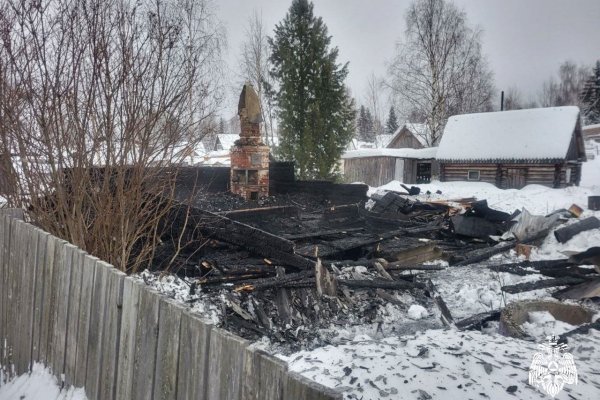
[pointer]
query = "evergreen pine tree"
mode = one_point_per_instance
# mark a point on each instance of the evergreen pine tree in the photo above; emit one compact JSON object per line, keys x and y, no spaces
{"x":316,"y":113}
{"x":591,"y":97}
{"x":391,"y":125}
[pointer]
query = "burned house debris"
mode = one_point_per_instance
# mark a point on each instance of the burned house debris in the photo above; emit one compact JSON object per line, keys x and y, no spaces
{"x":314,"y":254}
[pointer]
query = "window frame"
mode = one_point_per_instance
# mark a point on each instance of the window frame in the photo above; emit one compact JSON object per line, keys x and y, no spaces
{"x":470,"y":171}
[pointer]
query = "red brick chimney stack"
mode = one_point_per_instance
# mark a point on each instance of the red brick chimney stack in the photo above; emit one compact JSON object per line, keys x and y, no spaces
{"x":249,"y":155}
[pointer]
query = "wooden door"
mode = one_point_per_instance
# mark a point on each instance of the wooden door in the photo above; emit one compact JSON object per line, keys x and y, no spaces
{"x":515,"y":178}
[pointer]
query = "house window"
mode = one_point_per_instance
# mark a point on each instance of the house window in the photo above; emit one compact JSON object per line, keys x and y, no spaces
{"x":473,"y":175}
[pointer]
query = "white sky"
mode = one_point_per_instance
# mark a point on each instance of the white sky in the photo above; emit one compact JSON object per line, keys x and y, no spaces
{"x":525,"y":40}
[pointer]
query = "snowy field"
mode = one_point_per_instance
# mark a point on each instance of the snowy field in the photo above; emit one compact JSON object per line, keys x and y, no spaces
{"x":40,"y":384}
{"x":370,"y":364}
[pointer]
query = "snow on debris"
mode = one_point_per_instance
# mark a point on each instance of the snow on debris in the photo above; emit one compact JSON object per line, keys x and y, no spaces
{"x":426,"y":153}
{"x":40,"y":384}
{"x":443,"y":364}
{"x":541,"y":133}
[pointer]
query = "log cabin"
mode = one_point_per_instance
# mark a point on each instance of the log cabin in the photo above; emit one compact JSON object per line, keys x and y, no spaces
{"x":512,"y":149}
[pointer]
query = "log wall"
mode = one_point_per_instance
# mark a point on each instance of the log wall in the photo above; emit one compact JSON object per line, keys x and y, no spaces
{"x":97,"y":328}
{"x":551,"y":175}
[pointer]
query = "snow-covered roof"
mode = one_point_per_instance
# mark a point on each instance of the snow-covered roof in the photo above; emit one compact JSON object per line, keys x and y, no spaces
{"x":227,"y":140}
{"x":426,"y":153}
{"x":383,"y":140}
{"x":533,"y":134}
{"x":215,"y":158}
{"x":419,"y":131}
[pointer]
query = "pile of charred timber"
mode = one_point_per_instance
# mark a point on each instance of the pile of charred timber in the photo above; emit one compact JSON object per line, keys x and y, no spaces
{"x":282,"y":271}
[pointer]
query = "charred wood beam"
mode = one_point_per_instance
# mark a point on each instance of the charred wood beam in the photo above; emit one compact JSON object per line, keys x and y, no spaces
{"x":311,"y":235}
{"x":420,"y":267}
{"x":276,"y":282}
{"x":543,"y":284}
{"x":484,"y":254}
{"x":583,"y":329}
{"x":476,"y":321}
{"x":254,"y":213}
{"x":446,"y":315}
{"x":356,"y":284}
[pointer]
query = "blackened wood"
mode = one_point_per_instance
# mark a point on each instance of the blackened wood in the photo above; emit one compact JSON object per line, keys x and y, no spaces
{"x":542,"y":284}
{"x":276,"y":282}
{"x":310,"y":235}
{"x":583,"y":329}
{"x":565,"y":234}
{"x":257,"y":213}
{"x":446,"y":315}
{"x":419,"y":267}
{"x":484,"y":254}
{"x":379,"y":284}
{"x":476,"y":321}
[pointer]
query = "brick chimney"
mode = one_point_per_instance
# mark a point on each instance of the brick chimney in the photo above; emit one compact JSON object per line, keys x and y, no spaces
{"x":249,"y":155}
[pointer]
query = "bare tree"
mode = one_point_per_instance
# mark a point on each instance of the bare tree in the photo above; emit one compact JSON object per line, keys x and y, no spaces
{"x":567,"y":89}
{"x":513,"y":99}
{"x":97,"y":98}
{"x":254,"y":67}
{"x":373,"y":100}
{"x":439,"y":69}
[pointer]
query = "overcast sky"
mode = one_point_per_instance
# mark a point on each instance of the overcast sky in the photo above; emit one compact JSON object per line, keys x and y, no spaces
{"x":525,"y":40}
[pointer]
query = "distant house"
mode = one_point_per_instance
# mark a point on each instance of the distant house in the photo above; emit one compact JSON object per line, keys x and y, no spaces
{"x":224,"y":141}
{"x":412,"y":136}
{"x":403,"y":156}
{"x":376,"y":167}
{"x":511,"y":149}
{"x":591,"y":132}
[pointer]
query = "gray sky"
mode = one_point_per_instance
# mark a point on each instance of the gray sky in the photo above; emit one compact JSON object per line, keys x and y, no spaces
{"x":525,"y":40}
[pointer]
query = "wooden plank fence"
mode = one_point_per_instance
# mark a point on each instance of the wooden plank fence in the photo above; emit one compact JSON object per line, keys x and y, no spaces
{"x":95,"y":327}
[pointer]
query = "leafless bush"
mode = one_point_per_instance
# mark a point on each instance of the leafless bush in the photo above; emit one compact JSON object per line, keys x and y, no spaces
{"x":100,"y":100}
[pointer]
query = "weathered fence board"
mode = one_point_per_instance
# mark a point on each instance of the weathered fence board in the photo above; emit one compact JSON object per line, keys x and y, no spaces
{"x":38,"y":293}
{"x":26,"y":269}
{"x":298,"y":387}
{"x":167,"y":356}
{"x":127,"y":343}
{"x":146,"y":338}
{"x":94,"y":350}
{"x":192,"y":377}
{"x":88,"y":269}
{"x":226,"y":362}
{"x":4,"y":244}
{"x":111,"y":330}
{"x":64,"y":257}
{"x":264,"y":376}
{"x":73,"y":315}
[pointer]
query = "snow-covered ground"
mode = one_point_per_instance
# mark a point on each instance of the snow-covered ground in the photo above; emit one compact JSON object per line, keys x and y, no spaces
{"x":40,"y":384}
{"x":450,"y":364}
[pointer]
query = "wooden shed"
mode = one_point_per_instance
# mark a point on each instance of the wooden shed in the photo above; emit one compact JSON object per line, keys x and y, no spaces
{"x":376,"y":167}
{"x":511,"y":149}
{"x":409,"y":135}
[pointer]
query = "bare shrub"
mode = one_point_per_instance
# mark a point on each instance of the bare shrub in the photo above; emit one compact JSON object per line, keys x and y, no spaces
{"x":100,"y":101}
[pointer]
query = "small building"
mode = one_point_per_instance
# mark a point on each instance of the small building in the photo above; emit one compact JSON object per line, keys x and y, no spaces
{"x":225,"y":141}
{"x":511,"y":149}
{"x":591,"y":132}
{"x":376,"y":167}
{"x":409,"y":135}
